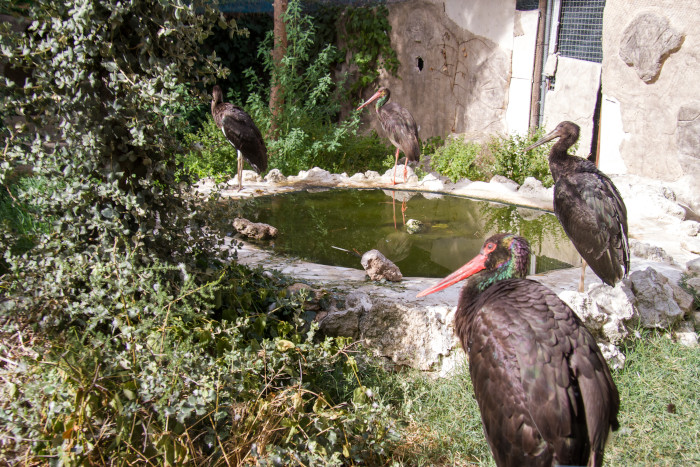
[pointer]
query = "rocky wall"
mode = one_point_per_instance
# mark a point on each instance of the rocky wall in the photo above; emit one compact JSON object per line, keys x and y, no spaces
{"x":651,"y":64}
{"x":450,"y":79}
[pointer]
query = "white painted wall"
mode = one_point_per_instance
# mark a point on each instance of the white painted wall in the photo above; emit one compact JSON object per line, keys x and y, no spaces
{"x":520,"y":92}
{"x":611,"y":136}
{"x":492,"y":19}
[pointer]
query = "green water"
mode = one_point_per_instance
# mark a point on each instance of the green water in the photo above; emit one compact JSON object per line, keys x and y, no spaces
{"x":310,"y":224}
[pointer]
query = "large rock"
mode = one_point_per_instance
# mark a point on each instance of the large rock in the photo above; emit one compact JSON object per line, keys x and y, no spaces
{"x":605,"y":310}
{"x":646,"y":42}
{"x":397,"y":327}
{"x":657,"y":299}
{"x":378,"y":267}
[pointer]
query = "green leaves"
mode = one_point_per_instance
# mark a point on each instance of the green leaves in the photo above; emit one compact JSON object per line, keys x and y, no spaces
{"x":367,"y":31}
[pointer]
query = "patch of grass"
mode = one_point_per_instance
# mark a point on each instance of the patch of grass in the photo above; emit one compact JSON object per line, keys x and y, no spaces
{"x":660,"y":407}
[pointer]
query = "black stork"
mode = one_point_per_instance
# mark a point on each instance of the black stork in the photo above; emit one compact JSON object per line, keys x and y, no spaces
{"x":399,"y":125}
{"x":544,"y":390}
{"x":240,"y":130}
{"x":589,"y":207}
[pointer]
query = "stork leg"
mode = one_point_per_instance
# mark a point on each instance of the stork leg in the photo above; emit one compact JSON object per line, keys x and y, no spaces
{"x":583,"y":274}
{"x":240,"y":170}
{"x":405,"y":171}
{"x":395,"y":164}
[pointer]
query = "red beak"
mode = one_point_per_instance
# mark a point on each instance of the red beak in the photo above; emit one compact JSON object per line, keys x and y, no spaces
{"x":374,"y":97}
{"x":472,"y":267}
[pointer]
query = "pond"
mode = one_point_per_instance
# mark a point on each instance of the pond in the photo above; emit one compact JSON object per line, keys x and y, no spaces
{"x":332,"y":226}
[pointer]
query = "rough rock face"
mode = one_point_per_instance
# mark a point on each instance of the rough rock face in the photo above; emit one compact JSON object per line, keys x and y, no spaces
{"x":407,"y":333}
{"x":688,"y":134}
{"x":256,"y":230}
{"x":378,"y":267}
{"x":659,"y":302}
{"x":646,"y":42}
{"x":605,"y":310}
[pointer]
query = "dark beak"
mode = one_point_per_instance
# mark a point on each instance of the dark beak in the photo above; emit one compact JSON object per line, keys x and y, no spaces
{"x":548,"y":137}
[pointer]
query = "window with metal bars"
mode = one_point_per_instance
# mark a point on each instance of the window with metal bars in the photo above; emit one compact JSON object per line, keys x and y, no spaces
{"x":581,"y":30}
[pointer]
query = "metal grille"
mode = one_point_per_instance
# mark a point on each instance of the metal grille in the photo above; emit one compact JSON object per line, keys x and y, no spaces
{"x":581,"y":29}
{"x":526,"y":5}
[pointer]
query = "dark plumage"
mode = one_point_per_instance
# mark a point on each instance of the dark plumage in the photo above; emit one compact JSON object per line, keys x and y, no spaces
{"x":589,"y":207}
{"x":399,"y":125}
{"x":544,"y":390}
{"x":241,"y":132}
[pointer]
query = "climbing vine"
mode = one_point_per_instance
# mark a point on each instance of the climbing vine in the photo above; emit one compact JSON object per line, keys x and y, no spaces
{"x":367,"y":32}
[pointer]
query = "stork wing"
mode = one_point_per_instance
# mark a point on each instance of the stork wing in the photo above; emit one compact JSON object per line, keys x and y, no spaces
{"x":245,"y":136}
{"x":401,"y":129}
{"x":594,"y":217}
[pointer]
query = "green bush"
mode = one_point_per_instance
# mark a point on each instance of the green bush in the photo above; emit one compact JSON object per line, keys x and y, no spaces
{"x":458,"y":159}
{"x":510,"y":159}
{"x":132,"y":341}
{"x":210,"y":155}
{"x":306,"y":130}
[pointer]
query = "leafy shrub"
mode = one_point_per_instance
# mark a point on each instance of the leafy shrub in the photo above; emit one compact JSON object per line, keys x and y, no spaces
{"x":458,"y":159}
{"x":210,"y":154}
{"x":133,"y":342}
{"x":510,"y":159}
{"x":306,"y":130}
{"x":165,"y":368}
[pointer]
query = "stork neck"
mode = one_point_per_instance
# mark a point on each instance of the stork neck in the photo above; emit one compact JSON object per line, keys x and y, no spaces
{"x":380,"y":102}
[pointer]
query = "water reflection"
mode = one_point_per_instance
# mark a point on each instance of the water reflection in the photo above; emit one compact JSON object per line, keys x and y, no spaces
{"x":312,"y":224}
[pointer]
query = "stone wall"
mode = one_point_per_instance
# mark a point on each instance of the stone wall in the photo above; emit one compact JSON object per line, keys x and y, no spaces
{"x":650,"y":119}
{"x":463,"y":84}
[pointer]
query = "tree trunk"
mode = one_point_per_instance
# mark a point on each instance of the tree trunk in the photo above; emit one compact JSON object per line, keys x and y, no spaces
{"x":278,"y":51}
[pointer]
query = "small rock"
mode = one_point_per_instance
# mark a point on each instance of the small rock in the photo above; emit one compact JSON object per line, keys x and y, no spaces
{"x":692,"y":245}
{"x":645,"y":251}
{"x":378,"y":267}
{"x":411,"y":176}
{"x":256,"y":230}
{"x":275,"y":176}
{"x":685,"y":335}
{"x":510,"y":184}
{"x":611,"y":354}
{"x":693,"y":265}
{"x":414,"y":226}
{"x":604,"y":310}
{"x":532,"y":187}
{"x":690,"y":228}
{"x":431,"y":182}
{"x":694,"y":283}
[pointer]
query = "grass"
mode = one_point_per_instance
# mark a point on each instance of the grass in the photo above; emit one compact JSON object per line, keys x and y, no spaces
{"x":660,"y":413}
{"x":443,"y":425}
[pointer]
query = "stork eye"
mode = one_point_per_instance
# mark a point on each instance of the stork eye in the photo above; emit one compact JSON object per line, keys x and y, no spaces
{"x":489,"y":247}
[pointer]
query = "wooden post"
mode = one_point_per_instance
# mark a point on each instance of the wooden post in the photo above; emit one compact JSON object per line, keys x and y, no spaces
{"x":537,"y":70}
{"x":278,"y":51}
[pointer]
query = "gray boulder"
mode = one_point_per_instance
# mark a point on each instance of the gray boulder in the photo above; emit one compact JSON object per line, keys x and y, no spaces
{"x":659,"y":302}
